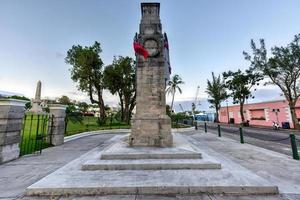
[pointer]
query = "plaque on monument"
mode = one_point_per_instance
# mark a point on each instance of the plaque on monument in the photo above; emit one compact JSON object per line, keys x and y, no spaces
{"x":150,"y":124}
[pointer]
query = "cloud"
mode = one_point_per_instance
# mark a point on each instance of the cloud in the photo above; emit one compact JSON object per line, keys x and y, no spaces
{"x":267,"y":93}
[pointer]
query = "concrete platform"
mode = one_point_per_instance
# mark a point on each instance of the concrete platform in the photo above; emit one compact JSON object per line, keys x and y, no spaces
{"x":232,"y":178}
{"x":149,"y":164}
{"x":121,"y":151}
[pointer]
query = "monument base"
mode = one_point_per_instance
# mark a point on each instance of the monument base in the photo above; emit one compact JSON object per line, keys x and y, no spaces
{"x":36,"y":108}
{"x":150,"y":131}
{"x":123,"y":170}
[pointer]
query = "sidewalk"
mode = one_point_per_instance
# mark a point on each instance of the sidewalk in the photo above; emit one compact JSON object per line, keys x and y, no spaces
{"x":16,"y":176}
{"x":277,"y":168}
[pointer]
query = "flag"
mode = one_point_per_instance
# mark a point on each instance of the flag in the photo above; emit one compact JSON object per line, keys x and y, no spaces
{"x":139,"y":49}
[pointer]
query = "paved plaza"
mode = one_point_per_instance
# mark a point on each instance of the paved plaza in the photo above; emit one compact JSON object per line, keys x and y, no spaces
{"x":271,"y":166}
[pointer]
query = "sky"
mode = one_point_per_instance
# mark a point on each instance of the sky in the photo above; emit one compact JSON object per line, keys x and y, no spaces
{"x":204,"y":36}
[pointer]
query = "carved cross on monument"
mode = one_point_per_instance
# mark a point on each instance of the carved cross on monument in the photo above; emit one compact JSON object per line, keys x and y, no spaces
{"x":150,"y":125}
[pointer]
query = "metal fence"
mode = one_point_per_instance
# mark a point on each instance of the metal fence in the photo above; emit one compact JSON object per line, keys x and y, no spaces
{"x":36,"y":133}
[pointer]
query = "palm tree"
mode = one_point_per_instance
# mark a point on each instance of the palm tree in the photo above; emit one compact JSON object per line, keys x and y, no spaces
{"x":217,"y":93}
{"x":173,"y":86}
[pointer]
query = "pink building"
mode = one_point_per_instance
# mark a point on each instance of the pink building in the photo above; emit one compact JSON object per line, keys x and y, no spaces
{"x":260,"y":114}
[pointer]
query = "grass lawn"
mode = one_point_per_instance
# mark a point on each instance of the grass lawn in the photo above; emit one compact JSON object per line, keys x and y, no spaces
{"x":90,"y":124}
{"x":33,"y":134}
{"x":35,"y":130}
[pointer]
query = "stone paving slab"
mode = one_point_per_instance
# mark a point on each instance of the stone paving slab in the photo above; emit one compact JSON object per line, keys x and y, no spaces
{"x":121,"y":150}
{"x":275,"y":167}
{"x":17,"y":175}
{"x":71,"y":180}
{"x":150,"y":164}
{"x":170,"y":197}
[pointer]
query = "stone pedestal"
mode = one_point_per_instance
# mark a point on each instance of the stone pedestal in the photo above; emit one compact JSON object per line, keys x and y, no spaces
{"x":58,"y":124}
{"x":11,"y":115}
{"x":150,"y":125}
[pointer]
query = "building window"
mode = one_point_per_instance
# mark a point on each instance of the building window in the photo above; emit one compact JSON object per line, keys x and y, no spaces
{"x":258,"y":114}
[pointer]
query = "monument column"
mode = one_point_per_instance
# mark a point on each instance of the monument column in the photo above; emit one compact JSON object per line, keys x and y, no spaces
{"x":150,"y":124}
{"x":36,"y":103}
{"x":12,"y":112}
{"x":58,"y":124}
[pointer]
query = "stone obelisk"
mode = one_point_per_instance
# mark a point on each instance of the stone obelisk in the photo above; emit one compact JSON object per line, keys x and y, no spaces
{"x":150,"y":124}
{"x":36,"y":103}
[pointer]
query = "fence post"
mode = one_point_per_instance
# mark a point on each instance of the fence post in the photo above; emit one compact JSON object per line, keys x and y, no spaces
{"x":241,"y":135}
{"x":205,"y":127}
{"x":11,"y":117}
{"x":58,"y":126}
{"x":294,"y":147}
{"x":219,"y":130}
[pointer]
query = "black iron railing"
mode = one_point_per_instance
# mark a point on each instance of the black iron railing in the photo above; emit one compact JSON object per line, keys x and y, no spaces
{"x":36,"y":133}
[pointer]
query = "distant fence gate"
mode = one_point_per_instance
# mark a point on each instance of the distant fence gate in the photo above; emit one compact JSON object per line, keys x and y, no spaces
{"x":36,"y":133}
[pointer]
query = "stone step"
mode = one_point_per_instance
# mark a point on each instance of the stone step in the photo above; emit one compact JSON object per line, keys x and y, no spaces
{"x":150,"y":155}
{"x":153,"y":190}
{"x":150,"y":164}
{"x":150,"y":182}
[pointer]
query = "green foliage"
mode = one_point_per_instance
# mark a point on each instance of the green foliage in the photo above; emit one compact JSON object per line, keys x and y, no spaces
{"x":87,"y":72}
{"x":83,"y":106}
{"x":240,"y":84}
{"x":216,"y":90}
{"x":168,"y":110}
{"x":72,"y":114}
{"x":65,"y":100}
{"x":91,"y":124}
{"x":119,"y":78}
{"x":179,"y":118}
{"x":173,"y":86}
{"x":282,"y":69}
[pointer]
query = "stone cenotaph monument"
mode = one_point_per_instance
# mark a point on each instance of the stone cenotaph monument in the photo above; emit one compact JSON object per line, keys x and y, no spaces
{"x":150,"y":124}
{"x":141,"y":167}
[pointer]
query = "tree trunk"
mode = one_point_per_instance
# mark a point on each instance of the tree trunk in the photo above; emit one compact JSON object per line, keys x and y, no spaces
{"x":173,"y":95}
{"x":295,"y":120}
{"x":101,"y":108}
{"x":132,"y":105}
{"x":126,"y":113}
{"x":217,"y":114}
{"x":242,"y":111}
{"x":122,"y":105}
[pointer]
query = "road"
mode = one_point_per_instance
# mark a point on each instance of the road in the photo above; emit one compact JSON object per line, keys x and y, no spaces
{"x":275,"y":140}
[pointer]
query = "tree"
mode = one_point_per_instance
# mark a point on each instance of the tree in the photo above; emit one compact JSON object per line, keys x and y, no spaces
{"x":173,"y":86}
{"x":72,"y":115}
{"x":217,"y":92}
{"x":282,"y":69}
{"x":240,"y":84}
{"x":88,"y":73}
{"x":168,"y":110}
{"x":119,"y":78}
{"x":65,"y":100}
{"x":83,"y":106}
